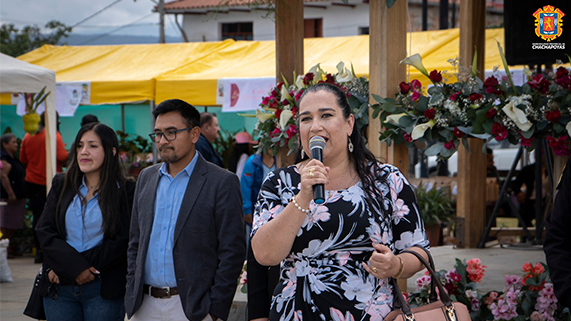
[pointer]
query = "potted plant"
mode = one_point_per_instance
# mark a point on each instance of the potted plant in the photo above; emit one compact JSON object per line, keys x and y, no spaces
{"x":31,"y":119}
{"x":435,"y":208}
{"x":134,"y":151}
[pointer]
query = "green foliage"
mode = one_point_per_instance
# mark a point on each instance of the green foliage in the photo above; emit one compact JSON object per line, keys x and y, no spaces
{"x":15,"y":42}
{"x":434,"y":205}
{"x":224,"y":144}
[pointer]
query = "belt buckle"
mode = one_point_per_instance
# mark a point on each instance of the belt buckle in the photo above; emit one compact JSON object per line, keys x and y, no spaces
{"x":167,"y":292}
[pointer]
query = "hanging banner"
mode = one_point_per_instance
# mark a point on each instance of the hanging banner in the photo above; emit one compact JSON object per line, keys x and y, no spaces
{"x":243,"y":94}
{"x":69,"y":96}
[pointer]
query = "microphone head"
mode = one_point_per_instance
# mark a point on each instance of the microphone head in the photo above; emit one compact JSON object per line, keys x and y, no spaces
{"x":317,"y":142}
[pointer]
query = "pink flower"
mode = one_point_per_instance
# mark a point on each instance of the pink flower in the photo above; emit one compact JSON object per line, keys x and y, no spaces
{"x":559,"y":145}
{"x":415,"y":95}
{"x":415,"y":83}
{"x":423,"y":281}
{"x":276,"y":132}
{"x":291,"y":131}
{"x":539,"y":83}
{"x":407,"y":137}
{"x":475,"y":270}
{"x":435,"y":76}
{"x":525,"y":142}
{"x":450,"y":145}
{"x":512,"y":280}
{"x":491,"y":298}
{"x":500,"y":131}
{"x":430,"y":113}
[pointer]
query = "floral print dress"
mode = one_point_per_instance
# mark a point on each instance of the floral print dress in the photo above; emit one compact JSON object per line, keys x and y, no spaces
{"x":322,"y":277}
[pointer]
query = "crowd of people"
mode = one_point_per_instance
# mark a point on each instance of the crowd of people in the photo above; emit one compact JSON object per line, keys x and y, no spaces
{"x":172,"y":245}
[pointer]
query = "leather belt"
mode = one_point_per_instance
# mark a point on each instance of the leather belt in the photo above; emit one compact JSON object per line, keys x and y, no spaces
{"x":160,"y":292}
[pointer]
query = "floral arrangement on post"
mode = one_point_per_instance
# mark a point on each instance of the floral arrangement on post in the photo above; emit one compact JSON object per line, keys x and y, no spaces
{"x":530,"y":297}
{"x":31,"y":119}
{"x":277,"y":119}
{"x":449,"y":112}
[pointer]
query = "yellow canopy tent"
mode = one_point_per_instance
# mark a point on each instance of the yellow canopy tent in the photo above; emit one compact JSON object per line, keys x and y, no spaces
{"x":190,"y":71}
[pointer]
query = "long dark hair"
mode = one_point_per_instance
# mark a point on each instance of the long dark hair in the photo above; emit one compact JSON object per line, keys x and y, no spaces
{"x":239,"y":149}
{"x":112,"y":178}
{"x":366,"y":164}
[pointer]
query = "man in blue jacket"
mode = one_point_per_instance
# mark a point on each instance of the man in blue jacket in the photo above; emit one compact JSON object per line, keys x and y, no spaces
{"x":209,"y":130}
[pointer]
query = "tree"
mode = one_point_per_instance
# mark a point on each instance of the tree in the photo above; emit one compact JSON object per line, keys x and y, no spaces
{"x":14,"y":42}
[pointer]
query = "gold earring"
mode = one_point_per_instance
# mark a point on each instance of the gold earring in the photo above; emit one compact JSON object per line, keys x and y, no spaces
{"x":350,"y":145}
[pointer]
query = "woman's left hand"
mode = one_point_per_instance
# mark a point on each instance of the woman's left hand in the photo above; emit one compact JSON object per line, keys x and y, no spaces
{"x":382,"y":263}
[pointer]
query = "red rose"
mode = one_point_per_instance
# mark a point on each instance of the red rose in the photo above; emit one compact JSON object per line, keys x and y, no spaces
{"x":329,"y":79}
{"x":407,"y":137}
{"x":275,"y":93}
{"x":455,"y":96}
{"x":404,"y":88}
{"x":500,"y":131}
{"x":561,"y":71}
{"x":458,"y":133}
{"x":285,"y":102}
{"x":294,"y":111}
{"x":280,"y":84}
{"x":308,"y":78}
{"x":450,"y":145}
{"x":430,"y":113}
{"x":298,"y":96}
{"x":266,"y":100}
{"x":475,"y":97}
{"x":278,"y":113}
{"x":490,"y":84}
{"x":274,"y":104}
{"x":435,"y":76}
{"x":564,"y":81}
{"x":491,"y":113}
{"x":415,"y":83}
{"x":553,"y":116}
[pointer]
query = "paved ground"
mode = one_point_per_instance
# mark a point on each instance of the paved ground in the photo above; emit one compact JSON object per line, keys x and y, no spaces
{"x":500,"y":261}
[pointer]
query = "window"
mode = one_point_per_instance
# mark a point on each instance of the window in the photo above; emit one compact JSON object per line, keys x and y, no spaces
{"x":313,"y":28}
{"x":238,"y":31}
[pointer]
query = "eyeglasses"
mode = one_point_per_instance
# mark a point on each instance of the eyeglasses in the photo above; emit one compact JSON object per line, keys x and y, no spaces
{"x":169,"y":135}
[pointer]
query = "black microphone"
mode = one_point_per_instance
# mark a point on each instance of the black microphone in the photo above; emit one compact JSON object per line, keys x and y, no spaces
{"x":316,"y":145}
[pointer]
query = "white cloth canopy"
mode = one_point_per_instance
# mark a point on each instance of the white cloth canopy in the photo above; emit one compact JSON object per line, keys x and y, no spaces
{"x":17,"y":76}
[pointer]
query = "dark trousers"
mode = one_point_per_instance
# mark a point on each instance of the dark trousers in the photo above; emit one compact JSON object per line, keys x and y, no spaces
{"x":37,"y":196}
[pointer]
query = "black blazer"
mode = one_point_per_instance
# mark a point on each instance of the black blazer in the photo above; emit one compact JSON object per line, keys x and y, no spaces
{"x":109,"y":258}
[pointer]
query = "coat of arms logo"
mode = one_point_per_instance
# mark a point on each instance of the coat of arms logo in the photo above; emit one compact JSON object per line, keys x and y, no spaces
{"x":548,"y":22}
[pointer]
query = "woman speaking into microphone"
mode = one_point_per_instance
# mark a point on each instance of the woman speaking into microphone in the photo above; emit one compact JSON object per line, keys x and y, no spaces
{"x":336,"y":257}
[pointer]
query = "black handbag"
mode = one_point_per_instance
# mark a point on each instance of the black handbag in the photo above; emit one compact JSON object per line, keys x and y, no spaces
{"x":35,"y":307}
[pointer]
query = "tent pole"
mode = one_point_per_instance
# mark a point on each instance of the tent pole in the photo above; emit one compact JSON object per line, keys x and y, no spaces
{"x":152,"y":105}
{"x":123,"y":117}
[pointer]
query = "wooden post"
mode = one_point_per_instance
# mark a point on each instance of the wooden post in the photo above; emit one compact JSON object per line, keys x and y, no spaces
{"x":289,"y":51}
{"x":289,"y":39}
{"x":471,"y":207}
{"x":387,"y":47}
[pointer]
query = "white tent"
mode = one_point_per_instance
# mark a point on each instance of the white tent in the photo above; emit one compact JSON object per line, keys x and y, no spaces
{"x":17,"y":76}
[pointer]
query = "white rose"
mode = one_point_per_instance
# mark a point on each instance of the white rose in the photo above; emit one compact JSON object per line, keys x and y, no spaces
{"x":418,"y":130}
{"x":343,"y":74}
{"x":284,"y":118}
{"x":394,"y":119}
{"x":518,"y":116}
{"x":568,"y":127}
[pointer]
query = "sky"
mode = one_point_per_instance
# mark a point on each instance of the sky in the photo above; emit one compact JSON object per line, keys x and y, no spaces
{"x":122,"y":17}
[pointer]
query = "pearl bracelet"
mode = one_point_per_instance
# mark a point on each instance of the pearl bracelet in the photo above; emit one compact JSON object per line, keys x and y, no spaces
{"x":401,"y":269}
{"x":303,"y":210}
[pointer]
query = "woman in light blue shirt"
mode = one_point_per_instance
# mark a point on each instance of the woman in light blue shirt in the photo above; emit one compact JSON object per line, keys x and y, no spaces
{"x":84,"y":231}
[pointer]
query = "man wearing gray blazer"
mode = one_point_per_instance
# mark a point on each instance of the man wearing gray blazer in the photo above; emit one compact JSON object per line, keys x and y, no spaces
{"x":187,"y":244}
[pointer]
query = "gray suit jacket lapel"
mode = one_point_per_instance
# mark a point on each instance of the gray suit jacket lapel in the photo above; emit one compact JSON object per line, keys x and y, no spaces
{"x":193,"y":188}
{"x":148,"y":206}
